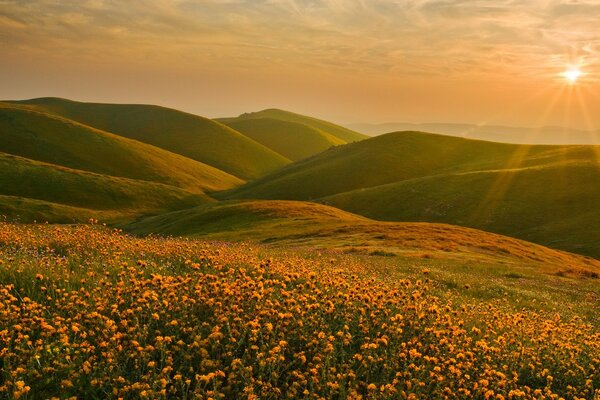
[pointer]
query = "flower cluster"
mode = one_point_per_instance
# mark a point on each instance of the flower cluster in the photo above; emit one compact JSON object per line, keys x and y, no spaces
{"x":91,"y":313}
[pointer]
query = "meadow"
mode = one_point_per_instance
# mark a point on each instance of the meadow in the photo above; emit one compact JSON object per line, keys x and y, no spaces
{"x":89,"y":312}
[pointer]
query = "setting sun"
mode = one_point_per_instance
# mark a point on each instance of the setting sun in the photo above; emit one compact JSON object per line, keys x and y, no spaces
{"x":572,"y":74}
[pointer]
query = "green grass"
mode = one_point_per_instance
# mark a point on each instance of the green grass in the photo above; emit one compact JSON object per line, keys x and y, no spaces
{"x":377,"y":161}
{"x":545,"y":194}
{"x":56,"y":140}
{"x":195,"y":137}
{"x":554,"y":205}
{"x":292,"y":140}
{"x":344,"y":134}
{"x":46,"y":192}
{"x":296,"y":223}
{"x":22,"y":209}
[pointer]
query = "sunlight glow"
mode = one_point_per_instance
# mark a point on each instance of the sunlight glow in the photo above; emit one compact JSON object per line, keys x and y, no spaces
{"x":572,"y":74}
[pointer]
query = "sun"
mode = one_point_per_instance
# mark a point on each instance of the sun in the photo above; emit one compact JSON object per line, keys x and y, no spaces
{"x":572,"y":74}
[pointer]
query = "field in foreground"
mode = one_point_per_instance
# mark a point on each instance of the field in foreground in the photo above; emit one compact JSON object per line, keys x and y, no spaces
{"x":89,"y":312}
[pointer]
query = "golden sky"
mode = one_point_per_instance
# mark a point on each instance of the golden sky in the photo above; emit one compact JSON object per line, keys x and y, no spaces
{"x":496,"y":62}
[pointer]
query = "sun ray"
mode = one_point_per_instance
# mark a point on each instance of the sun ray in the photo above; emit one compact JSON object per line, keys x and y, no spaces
{"x":502,"y":183}
{"x":589,"y":124}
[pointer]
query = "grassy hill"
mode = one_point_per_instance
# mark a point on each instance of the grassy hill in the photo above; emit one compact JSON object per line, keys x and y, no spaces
{"x":296,"y":223}
{"x":292,"y":140}
{"x":377,"y":161}
{"x":198,"y":138}
{"x":56,"y":140}
{"x":46,"y":192}
{"x":541,"y":193}
{"x":344,"y":134}
{"x":552,"y":204}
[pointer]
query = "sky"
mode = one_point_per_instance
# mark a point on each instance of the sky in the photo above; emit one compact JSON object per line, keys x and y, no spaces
{"x":349,"y":61}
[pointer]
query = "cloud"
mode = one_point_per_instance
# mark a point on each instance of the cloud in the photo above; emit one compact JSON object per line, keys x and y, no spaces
{"x":426,"y":37}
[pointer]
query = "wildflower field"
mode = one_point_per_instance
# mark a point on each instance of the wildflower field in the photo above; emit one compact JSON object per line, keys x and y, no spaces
{"x":88,"y":312}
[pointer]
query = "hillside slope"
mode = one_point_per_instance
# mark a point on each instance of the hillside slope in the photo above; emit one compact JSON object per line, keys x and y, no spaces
{"x":546,"y":194}
{"x":29,"y":187}
{"x":553,"y":204}
{"x":56,"y":140}
{"x":195,"y":137}
{"x":296,"y":223}
{"x":342,"y":133}
{"x":290,"y":139}
{"x":376,"y":161}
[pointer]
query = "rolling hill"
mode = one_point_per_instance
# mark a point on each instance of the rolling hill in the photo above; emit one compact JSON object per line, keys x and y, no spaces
{"x":292,"y":140}
{"x":29,"y":187}
{"x":56,"y":140}
{"x":296,"y":223}
{"x":546,"y":194}
{"x":195,"y":137}
{"x":344,"y":134}
{"x":554,"y":204}
{"x":377,"y":161}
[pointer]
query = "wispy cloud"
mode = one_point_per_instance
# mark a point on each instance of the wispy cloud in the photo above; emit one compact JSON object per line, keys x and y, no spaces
{"x":426,"y":36}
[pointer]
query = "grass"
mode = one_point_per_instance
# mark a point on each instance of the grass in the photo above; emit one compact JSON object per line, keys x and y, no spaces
{"x":304,"y":224}
{"x":46,"y":192}
{"x":543,"y":204}
{"x":56,"y":140}
{"x":292,"y":140}
{"x":541,"y":193}
{"x":92,"y":313}
{"x":344,"y":134}
{"x":194,"y":137}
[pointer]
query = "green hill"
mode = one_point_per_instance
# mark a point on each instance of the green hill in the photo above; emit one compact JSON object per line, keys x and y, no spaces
{"x":198,"y":138}
{"x":295,"y":223}
{"x":344,"y":134}
{"x":36,"y":190}
{"x":545,"y":194}
{"x":377,"y":161}
{"x":56,"y":140}
{"x":290,"y":139}
{"x":554,"y":204}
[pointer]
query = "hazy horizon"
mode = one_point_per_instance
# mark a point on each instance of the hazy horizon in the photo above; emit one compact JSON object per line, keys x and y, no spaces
{"x":426,"y":61}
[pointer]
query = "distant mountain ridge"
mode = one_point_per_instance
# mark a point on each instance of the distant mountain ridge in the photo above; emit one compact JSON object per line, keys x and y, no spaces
{"x":496,"y":133}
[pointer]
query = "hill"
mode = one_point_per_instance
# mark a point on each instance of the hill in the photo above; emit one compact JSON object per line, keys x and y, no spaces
{"x":296,"y":223}
{"x":56,"y":140}
{"x":290,"y":139}
{"x":553,"y":204}
{"x":46,"y":192}
{"x":195,"y":137}
{"x":538,"y":193}
{"x":376,"y":161}
{"x":344,"y":134}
